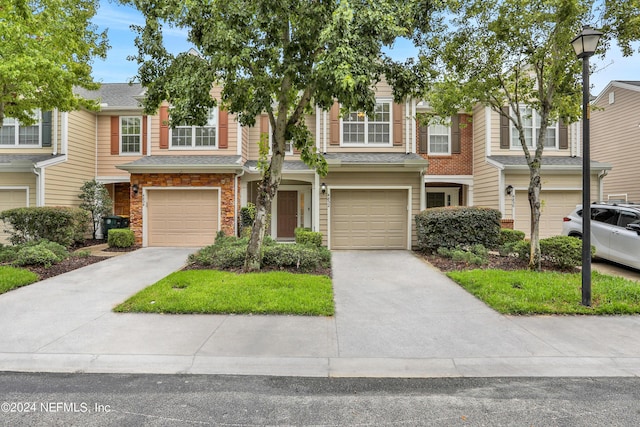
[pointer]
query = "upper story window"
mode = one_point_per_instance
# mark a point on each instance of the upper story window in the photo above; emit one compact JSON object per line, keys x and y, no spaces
{"x":131,"y":134}
{"x":13,"y":134}
{"x":187,"y":136}
{"x":439,"y":139}
{"x":360,"y":129}
{"x":531,"y":125}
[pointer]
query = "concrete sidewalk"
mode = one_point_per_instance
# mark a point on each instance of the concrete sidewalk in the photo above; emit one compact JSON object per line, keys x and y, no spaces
{"x":396,"y":316}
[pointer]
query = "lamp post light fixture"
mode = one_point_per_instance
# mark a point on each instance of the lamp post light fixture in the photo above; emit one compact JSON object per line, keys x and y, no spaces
{"x":585,"y":45}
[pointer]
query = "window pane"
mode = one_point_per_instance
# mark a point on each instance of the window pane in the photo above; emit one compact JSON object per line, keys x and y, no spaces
{"x":181,"y":137}
{"x":8,"y":135}
{"x":550,"y":140}
{"x":353,"y":133}
{"x":206,"y":137}
{"x":378,"y":133}
{"x":131,"y":134}
{"x":439,"y":138}
{"x":29,"y":135}
{"x":435,"y":200}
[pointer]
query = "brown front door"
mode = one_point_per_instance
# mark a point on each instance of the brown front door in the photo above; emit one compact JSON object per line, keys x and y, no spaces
{"x":287,"y":213}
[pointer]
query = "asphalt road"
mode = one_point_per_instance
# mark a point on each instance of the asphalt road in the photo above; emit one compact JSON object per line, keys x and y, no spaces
{"x":200,"y":400}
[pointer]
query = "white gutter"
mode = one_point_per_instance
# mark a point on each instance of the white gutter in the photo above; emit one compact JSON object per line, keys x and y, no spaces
{"x":316,"y":202}
{"x":318,"y":111}
{"x":414,"y":134}
{"x":239,"y":140}
{"x":39,"y":172}
{"x":601,"y":176}
{"x":65,"y":133}
{"x":407,"y":136}
{"x":148,"y":135}
{"x":487,"y":131}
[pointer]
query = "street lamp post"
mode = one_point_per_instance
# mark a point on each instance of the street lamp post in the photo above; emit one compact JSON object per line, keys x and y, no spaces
{"x":585,"y":45}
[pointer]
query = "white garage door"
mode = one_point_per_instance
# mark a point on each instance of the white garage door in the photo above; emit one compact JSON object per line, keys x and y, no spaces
{"x":182,"y":217}
{"x":10,"y":199}
{"x":555,"y":206}
{"x":368,"y":219}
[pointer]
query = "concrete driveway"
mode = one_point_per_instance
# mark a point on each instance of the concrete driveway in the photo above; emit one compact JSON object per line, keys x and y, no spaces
{"x":396,"y":316}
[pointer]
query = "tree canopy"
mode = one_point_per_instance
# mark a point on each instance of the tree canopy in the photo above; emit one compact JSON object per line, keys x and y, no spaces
{"x":279,"y":57}
{"x":46,"y":48}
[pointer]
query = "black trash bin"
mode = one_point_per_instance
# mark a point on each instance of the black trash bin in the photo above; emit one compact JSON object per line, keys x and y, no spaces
{"x":113,"y":221}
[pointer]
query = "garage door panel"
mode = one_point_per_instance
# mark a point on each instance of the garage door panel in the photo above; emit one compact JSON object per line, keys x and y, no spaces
{"x":555,"y":206}
{"x":182,"y":217}
{"x":369,"y":219}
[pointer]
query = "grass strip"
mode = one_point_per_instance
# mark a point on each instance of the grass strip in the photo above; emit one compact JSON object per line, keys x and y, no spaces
{"x":221,"y":292}
{"x":524,"y":292}
{"x":11,"y":278}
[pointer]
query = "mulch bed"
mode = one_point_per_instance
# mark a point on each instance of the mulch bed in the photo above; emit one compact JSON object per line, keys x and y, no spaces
{"x":319,"y":271}
{"x":496,"y":262}
{"x":65,"y":266}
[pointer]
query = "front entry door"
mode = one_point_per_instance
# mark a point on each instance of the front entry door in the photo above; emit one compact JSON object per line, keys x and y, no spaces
{"x":287,"y":213}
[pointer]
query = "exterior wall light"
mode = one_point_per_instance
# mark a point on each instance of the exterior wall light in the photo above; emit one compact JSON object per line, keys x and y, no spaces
{"x":135,"y":189}
{"x":323,"y":188}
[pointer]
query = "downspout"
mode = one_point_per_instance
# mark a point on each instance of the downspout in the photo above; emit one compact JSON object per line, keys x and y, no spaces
{"x":39,"y":172}
{"x":318,"y":111}
{"x":235,"y":201}
{"x":54,"y":137}
{"x":601,"y":176}
{"x":407,"y":136}
{"x":423,"y":191}
{"x":65,"y":133}
{"x":316,"y":202}
{"x":324,"y":131}
{"x":414,"y":136}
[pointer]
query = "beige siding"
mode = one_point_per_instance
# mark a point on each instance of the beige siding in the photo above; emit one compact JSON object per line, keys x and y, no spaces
{"x":63,"y":181}
{"x":253,"y":137}
{"x":373,"y":180}
{"x":106,"y":161}
{"x":615,"y":138}
{"x":485,"y":176}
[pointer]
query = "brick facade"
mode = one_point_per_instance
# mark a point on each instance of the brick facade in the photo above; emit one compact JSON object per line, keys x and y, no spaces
{"x":224,"y":181}
{"x":454,"y":164}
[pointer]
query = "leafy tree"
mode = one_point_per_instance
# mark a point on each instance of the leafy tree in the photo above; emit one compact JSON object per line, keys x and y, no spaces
{"x":506,"y":53}
{"x":280,"y":57}
{"x":46,"y":48}
{"x":95,"y":200}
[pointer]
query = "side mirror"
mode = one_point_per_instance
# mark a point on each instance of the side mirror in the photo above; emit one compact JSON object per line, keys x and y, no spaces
{"x":634,"y":227}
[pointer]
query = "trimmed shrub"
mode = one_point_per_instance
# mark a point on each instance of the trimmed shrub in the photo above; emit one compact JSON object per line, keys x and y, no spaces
{"x":43,"y":253}
{"x":300,"y":257}
{"x":563,"y":251}
{"x":120,"y":238}
{"x":508,"y":240}
{"x":62,"y":225}
{"x":458,"y":226}
{"x":305,"y":236}
{"x":8,"y":253}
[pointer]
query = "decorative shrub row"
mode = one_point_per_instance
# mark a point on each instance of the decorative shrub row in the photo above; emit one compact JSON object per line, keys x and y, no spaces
{"x":458,"y":226}
{"x":476,"y":254}
{"x":62,"y":225}
{"x":230,"y":252}
{"x":120,"y":238}
{"x":305,"y":236}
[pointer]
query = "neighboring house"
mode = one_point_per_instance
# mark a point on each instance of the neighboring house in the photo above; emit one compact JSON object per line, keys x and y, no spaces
{"x":615,"y":138}
{"x":501,"y":174}
{"x":47,"y":163}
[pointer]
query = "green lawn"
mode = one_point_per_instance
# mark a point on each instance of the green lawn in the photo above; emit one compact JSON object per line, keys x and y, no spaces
{"x":11,"y":278}
{"x":528,"y":292}
{"x":220,"y":292}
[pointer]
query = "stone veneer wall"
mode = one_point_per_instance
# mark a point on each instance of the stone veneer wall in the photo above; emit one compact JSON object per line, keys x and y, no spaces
{"x":224,"y":181}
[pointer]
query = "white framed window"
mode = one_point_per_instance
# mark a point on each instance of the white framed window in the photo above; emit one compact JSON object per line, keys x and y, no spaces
{"x":130,"y":134}
{"x":439,"y":139}
{"x":196,"y":137}
{"x":360,"y":129}
{"x":13,"y":134}
{"x":288,"y":145}
{"x":531,"y":126}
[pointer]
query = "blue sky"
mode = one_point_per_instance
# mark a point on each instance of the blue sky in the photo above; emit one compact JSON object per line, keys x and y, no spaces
{"x":117,"y":69}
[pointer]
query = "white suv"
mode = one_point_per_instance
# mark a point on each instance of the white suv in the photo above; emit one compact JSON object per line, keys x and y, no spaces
{"x":615,"y":231}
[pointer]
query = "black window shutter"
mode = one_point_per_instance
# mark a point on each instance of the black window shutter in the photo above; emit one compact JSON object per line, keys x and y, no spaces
{"x":455,"y":134}
{"x":505,"y":128}
{"x":46,"y":128}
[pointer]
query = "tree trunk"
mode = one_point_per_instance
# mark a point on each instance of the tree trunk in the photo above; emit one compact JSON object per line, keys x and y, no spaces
{"x":534,"y":202}
{"x":266,"y":192}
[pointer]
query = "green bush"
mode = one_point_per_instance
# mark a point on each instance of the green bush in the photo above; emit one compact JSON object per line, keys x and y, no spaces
{"x":300,"y":257}
{"x":458,"y":226}
{"x":563,"y":251}
{"x":8,"y":253}
{"x":230,"y":252}
{"x":62,"y":225}
{"x":508,"y":240}
{"x":476,"y":255}
{"x":120,"y":238}
{"x":43,"y":253}
{"x":305,"y":236}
